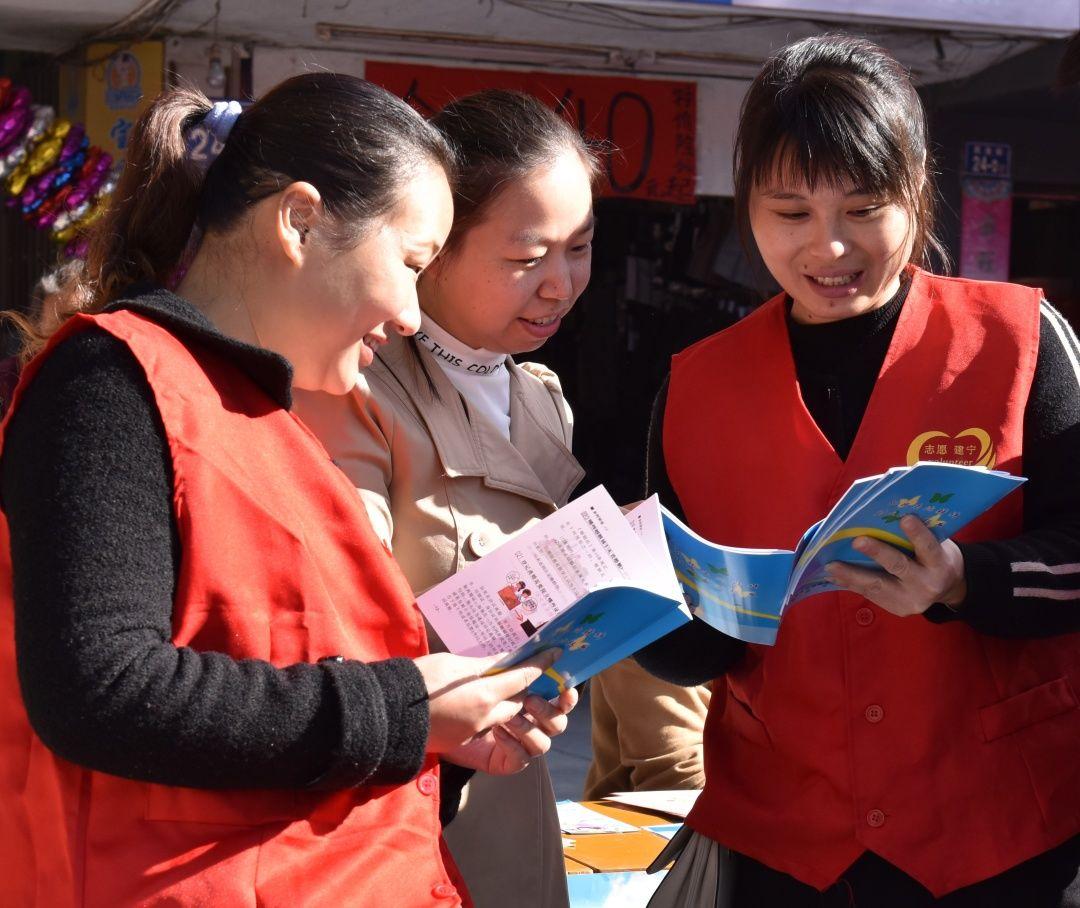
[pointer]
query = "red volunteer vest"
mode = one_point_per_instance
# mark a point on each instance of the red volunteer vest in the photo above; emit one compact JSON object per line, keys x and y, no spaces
{"x":952,"y":755}
{"x":278,"y":563}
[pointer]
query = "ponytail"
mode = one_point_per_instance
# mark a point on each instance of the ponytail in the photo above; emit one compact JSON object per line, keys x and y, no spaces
{"x":144,"y":231}
{"x":356,"y":143}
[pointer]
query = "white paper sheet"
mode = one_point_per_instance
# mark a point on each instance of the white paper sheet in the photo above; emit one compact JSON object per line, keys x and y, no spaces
{"x":578,"y":820}
{"x":675,"y":803}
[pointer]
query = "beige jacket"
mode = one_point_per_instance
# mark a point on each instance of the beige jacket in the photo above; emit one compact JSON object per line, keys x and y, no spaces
{"x":443,"y":487}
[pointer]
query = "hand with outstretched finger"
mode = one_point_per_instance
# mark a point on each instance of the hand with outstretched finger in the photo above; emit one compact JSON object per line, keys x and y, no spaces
{"x":485,"y":720}
{"x":510,"y":747}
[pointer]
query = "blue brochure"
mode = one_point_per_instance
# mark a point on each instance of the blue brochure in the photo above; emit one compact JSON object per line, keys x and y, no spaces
{"x":744,"y":592}
{"x":599,"y":584}
{"x":583,"y":580}
{"x":604,"y":627}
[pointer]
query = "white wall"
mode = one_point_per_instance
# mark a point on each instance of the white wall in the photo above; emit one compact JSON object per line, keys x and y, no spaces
{"x":718,"y":114}
{"x":718,"y":103}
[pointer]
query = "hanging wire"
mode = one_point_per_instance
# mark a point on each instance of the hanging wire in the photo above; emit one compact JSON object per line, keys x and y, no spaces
{"x":146,"y":20}
{"x":675,"y":20}
{"x":635,"y":19}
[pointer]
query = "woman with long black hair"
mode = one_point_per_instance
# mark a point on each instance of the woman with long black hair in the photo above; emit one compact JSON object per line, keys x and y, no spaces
{"x":215,"y":685}
{"x":914,"y":739}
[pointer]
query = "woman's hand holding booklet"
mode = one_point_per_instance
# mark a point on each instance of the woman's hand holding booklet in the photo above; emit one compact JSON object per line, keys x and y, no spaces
{"x":600,"y":585}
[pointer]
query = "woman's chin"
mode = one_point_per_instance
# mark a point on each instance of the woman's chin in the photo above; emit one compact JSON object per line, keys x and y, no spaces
{"x":340,"y":379}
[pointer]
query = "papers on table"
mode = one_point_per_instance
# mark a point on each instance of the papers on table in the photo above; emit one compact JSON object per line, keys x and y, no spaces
{"x":574,"y":819}
{"x":667,"y":830}
{"x":675,"y":803}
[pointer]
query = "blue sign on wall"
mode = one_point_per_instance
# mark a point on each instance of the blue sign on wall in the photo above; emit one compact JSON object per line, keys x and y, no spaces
{"x":988,"y":159}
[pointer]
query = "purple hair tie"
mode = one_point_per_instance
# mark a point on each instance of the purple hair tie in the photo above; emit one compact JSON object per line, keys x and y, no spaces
{"x":205,"y":140}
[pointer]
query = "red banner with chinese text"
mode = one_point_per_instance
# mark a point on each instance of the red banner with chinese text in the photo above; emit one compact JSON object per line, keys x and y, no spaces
{"x":650,"y":123}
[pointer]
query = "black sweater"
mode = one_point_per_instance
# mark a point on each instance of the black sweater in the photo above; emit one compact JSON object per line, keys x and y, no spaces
{"x":1012,"y":590}
{"x":86,"y":484}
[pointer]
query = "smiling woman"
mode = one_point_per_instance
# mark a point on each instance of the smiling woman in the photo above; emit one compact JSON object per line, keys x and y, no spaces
{"x":454,"y":446}
{"x":324,"y":308}
{"x":876,"y":771}
{"x":838,"y":251}
{"x":206,"y":652}
{"x":507,"y":283}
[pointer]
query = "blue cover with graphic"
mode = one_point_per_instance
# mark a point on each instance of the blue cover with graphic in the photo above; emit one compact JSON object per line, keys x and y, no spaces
{"x":600,"y":629}
{"x":743,"y":592}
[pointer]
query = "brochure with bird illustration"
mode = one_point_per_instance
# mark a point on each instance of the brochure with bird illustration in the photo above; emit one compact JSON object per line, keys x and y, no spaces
{"x":600,"y":584}
{"x":744,"y":592}
{"x":581,"y":580}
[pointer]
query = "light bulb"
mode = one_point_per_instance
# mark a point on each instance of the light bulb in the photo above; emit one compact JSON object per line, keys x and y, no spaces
{"x":215,"y":72}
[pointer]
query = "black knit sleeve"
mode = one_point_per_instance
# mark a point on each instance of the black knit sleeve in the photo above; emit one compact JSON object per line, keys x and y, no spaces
{"x":1029,"y":586}
{"x":86,"y":484}
{"x":696,"y":652}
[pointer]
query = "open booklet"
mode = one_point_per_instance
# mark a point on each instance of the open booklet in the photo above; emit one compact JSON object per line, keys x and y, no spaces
{"x":581,"y":580}
{"x":744,"y":592}
{"x":600,"y":584}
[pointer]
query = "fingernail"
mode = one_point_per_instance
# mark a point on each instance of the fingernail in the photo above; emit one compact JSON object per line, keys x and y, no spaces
{"x":859,"y":544}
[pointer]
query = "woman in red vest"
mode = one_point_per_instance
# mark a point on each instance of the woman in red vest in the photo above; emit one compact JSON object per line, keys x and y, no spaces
{"x":915,"y":739}
{"x":214,"y":681}
{"x":455,"y":447}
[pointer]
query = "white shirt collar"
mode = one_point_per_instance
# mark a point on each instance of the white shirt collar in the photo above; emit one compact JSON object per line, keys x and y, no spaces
{"x":450,"y":351}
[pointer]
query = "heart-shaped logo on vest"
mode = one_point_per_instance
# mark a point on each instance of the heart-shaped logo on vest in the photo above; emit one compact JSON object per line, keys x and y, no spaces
{"x":971,"y":447}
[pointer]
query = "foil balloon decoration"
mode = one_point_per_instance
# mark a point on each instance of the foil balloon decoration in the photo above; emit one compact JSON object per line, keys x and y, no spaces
{"x":77,"y":226}
{"x":12,"y":160}
{"x":66,"y":218}
{"x":90,"y":178}
{"x":36,"y":120}
{"x":35,"y":192}
{"x":47,"y":151}
{"x":73,"y":142}
{"x":14,"y":119}
{"x":50,"y":209}
{"x":49,"y":183}
{"x":50,"y":171}
{"x":40,"y":121}
{"x":111,"y":179}
{"x":13,"y":123}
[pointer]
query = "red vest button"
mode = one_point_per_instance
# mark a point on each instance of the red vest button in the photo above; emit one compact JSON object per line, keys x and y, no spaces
{"x":427,"y":783}
{"x":874,"y":713}
{"x":876,"y":818}
{"x":864,"y":616}
{"x":444,"y":891}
